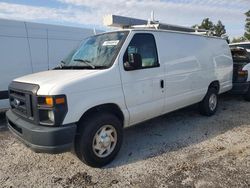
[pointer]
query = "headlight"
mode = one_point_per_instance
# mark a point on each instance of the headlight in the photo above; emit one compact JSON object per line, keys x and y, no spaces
{"x":51,"y":116}
{"x":52,"y":109}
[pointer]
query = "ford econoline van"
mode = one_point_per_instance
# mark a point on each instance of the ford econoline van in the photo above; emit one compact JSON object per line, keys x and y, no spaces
{"x":116,"y":80}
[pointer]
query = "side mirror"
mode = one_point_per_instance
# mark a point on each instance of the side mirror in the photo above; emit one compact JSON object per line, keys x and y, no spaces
{"x":134,"y":62}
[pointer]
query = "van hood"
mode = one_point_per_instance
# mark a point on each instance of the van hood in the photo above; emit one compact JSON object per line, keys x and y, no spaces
{"x":49,"y":79}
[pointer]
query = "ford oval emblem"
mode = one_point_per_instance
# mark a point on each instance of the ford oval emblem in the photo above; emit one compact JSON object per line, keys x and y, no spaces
{"x":16,"y":103}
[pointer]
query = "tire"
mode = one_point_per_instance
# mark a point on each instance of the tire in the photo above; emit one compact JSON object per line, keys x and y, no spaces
{"x":100,"y":126}
{"x":206,"y":106}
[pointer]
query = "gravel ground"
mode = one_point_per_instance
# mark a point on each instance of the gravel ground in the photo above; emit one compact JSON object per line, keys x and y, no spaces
{"x":180,"y":149}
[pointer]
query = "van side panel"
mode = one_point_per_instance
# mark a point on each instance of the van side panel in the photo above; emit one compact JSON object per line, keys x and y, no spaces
{"x":15,"y":57}
{"x":37,"y":37}
{"x":191,"y":63}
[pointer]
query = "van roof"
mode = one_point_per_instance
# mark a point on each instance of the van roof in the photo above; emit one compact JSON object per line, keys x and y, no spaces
{"x":163,"y":30}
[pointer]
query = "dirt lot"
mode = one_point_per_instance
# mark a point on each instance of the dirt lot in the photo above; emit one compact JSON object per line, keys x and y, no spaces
{"x":181,"y":149}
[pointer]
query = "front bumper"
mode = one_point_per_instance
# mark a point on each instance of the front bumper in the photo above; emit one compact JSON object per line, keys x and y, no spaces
{"x":40,"y":138}
{"x":240,"y":88}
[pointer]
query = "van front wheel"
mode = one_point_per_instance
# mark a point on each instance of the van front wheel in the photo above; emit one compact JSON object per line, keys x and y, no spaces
{"x":99,"y":139}
{"x":209,"y":104}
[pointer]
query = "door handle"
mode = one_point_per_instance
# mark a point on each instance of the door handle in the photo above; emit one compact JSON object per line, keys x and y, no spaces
{"x":162,"y":83}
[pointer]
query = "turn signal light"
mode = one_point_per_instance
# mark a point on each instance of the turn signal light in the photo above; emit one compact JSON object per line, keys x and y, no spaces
{"x":49,"y":101}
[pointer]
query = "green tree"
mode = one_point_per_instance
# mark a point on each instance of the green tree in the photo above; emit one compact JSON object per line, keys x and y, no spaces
{"x":247,"y":26}
{"x":219,"y":29}
{"x":207,"y":24}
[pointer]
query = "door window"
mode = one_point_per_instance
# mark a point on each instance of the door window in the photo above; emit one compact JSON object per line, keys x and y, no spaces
{"x":143,"y":44}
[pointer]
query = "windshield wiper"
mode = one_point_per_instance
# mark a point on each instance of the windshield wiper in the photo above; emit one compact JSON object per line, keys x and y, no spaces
{"x":60,"y":66}
{"x":87,"y":62}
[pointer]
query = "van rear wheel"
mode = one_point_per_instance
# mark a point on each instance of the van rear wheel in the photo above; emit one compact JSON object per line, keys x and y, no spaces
{"x":209,"y":104}
{"x":99,"y":139}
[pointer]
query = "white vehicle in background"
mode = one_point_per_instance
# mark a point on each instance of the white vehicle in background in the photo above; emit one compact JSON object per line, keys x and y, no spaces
{"x":31,"y":47}
{"x":116,"y":80}
{"x":245,"y":45}
{"x":241,"y":70}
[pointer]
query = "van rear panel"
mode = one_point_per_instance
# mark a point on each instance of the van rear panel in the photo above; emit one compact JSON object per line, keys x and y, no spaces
{"x":191,"y":62}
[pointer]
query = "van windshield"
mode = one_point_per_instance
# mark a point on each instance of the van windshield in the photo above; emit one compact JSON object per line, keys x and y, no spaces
{"x":96,"y":52}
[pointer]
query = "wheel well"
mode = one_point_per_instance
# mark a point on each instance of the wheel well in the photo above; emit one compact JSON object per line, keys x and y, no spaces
{"x":110,"y":107}
{"x":215,"y":85}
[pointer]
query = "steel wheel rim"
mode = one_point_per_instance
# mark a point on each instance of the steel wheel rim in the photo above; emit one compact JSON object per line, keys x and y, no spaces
{"x":212,"y":102}
{"x":104,"y":141}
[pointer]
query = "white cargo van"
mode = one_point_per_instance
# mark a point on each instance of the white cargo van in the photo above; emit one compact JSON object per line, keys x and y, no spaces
{"x":115,"y":80}
{"x":27,"y":48}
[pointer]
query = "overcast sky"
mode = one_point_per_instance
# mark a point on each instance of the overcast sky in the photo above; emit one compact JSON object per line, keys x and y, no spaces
{"x":89,"y":13}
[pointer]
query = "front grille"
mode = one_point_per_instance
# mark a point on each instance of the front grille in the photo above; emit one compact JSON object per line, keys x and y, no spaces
{"x":21,"y":103}
{"x":23,"y":99}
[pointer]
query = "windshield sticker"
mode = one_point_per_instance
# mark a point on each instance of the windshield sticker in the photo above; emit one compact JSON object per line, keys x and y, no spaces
{"x":111,"y":43}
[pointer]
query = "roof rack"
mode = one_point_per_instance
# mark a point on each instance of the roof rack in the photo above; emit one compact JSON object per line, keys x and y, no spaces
{"x":127,"y":22}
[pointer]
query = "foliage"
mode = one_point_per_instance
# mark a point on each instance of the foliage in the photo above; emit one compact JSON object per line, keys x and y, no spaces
{"x":207,"y":24}
{"x":218,"y":29}
{"x":247,"y":26}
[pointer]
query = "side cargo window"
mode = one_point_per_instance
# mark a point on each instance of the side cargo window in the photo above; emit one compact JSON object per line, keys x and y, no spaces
{"x":141,"y":52}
